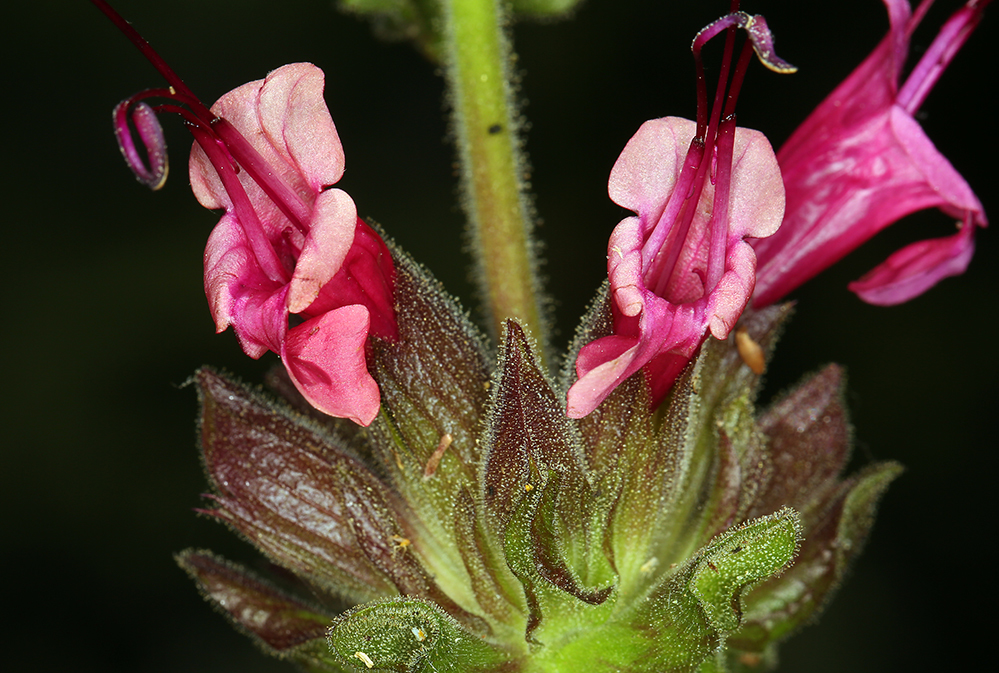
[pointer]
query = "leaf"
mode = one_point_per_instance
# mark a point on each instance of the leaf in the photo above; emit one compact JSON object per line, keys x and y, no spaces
{"x":434,"y":381}
{"x":702,"y":603}
{"x":739,"y":559}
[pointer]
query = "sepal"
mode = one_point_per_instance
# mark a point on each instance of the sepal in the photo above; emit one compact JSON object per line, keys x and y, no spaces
{"x":305,"y":501}
{"x":777,"y":608}
{"x":434,"y":382}
{"x":408,"y":635}
{"x":277,"y":620}
{"x":527,"y":433}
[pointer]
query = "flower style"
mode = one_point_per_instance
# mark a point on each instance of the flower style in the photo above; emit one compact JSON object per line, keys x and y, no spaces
{"x":681,"y":269}
{"x":860,"y":162}
{"x":287,"y":244}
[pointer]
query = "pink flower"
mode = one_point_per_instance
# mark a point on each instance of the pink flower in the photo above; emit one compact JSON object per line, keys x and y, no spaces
{"x":288,"y":246}
{"x":302,"y":252}
{"x":861,"y":162}
{"x":680,"y":269}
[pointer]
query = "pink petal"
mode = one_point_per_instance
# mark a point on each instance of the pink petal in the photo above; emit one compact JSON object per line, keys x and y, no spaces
{"x":240,"y":294}
{"x":298,"y":124}
{"x":601,"y":366}
{"x":624,"y":266}
{"x":757,"y":198}
{"x":285,"y":119}
{"x":860,"y":162}
{"x":331,"y":233}
{"x":325,"y":359}
{"x":853,"y":187}
{"x":643,"y":177}
{"x":915,"y":268}
{"x":729,"y":299}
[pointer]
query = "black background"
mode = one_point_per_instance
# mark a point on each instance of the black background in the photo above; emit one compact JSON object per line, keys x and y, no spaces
{"x":104,"y":314}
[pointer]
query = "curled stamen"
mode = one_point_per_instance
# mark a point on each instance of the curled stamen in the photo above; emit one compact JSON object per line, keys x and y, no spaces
{"x":759,"y":35}
{"x":143,"y":118}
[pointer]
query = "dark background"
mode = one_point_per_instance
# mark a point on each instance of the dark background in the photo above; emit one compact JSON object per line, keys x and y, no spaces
{"x":104,"y":315}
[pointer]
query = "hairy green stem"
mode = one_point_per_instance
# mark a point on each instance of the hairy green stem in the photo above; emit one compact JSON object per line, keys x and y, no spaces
{"x":478,"y":62}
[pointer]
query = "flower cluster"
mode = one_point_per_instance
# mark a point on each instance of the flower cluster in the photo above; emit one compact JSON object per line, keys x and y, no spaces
{"x":681,"y":268}
{"x":638,"y":513}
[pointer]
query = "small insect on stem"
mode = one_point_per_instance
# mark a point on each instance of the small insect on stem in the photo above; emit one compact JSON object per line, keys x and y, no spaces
{"x":365,"y":658}
{"x":750,"y":351}
{"x":400,"y":543}
{"x":438,"y":454}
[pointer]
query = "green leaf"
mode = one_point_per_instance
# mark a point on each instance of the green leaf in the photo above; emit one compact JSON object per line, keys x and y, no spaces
{"x":690,"y":615}
{"x":434,"y":381}
{"x":739,"y":559}
{"x":409,"y":635}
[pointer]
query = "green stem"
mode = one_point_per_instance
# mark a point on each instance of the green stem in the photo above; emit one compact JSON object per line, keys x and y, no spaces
{"x":478,"y":58}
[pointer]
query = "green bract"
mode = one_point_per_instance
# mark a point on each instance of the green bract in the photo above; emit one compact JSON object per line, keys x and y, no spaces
{"x":476,"y":528}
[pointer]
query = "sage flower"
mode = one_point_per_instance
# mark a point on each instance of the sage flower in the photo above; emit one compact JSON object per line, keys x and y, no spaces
{"x":861,"y":162}
{"x":288,"y":245}
{"x":680,"y":269}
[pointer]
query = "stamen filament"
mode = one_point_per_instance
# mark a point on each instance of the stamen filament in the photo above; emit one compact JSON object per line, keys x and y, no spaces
{"x":679,"y":232}
{"x":709,"y":155}
{"x":283,"y":196}
{"x":245,"y":214}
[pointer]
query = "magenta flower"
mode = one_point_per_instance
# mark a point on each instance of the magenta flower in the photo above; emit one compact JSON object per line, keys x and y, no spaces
{"x":681,"y":269}
{"x":861,"y":162}
{"x":287,"y":245}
